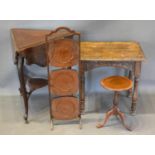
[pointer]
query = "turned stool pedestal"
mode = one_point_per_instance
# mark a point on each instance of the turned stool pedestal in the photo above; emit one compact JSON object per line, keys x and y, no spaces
{"x":116,"y":84}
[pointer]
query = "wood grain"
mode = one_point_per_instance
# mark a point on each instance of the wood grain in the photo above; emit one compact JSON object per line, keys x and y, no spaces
{"x":111,"y":51}
{"x":116,"y":83}
{"x":27,"y":38}
{"x":64,"y":82}
{"x":65,"y":108}
{"x":63,"y":53}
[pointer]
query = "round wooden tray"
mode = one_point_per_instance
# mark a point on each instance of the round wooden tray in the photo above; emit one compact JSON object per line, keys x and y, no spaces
{"x":63,"y":53}
{"x":65,"y":108}
{"x":63,"y":82}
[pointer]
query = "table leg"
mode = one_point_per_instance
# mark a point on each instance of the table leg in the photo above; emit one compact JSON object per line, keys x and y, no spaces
{"x":137,"y":70}
{"x":82,"y":87}
{"x":22,"y":89}
{"x":130,"y":77}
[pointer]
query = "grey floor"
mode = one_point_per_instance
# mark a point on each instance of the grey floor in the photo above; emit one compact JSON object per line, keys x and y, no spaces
{"x":11,"y":116}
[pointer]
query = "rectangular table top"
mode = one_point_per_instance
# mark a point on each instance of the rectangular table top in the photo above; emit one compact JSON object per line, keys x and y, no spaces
{"x":111,"y":51}
{"x":90,"y":51}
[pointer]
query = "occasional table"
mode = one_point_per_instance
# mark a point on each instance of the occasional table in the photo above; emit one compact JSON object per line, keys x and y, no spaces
{"x":127,"y":55}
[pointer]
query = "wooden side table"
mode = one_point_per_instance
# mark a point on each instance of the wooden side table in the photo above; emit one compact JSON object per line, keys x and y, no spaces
{"x":127,"y":55}
{"x":29,"y":48}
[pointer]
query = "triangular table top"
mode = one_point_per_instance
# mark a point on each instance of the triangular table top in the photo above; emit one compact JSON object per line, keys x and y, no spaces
{"x":26,"y":38}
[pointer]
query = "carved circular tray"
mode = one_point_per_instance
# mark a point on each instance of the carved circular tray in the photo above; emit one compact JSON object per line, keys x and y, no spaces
{"x":64,"y":108}
{"x":63,"y":82}
{"x":63,"y":53}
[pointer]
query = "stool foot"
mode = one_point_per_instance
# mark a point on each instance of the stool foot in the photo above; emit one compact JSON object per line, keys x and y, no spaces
{"x":114,"y":111}
{"x":122,"y":117}
{"x":107,"y":116}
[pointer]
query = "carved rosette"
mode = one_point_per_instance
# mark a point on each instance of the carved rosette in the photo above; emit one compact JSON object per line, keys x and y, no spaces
{"x":64,"y":53}
{"x":65,"y":108}
{"x":64,"y":82}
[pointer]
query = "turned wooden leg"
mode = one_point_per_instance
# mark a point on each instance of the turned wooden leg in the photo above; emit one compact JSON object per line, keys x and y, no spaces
{"x":82,"y":87}
{"x":135,"y":95}
{"x":116,"y":99}
{"x":130,"y":90}
{"x":137,"y":71}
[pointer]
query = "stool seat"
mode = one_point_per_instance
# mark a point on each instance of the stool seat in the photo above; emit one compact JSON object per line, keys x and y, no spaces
{"x":116,"y":83}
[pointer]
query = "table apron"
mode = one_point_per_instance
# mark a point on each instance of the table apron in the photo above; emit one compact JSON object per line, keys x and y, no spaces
{"x":89,"y":65}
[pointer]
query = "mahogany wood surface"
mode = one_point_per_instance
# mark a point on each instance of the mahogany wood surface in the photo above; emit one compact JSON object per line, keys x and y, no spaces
{"x":116,"y":83}
{"x":63,"y":53}
{"x":64,"y":108}
{"x":27,"y":38}
{"x":111,"y":51}
{"x":64,"y":82}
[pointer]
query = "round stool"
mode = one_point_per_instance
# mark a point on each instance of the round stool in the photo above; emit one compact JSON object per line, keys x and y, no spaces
{"x":116,"y":84}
